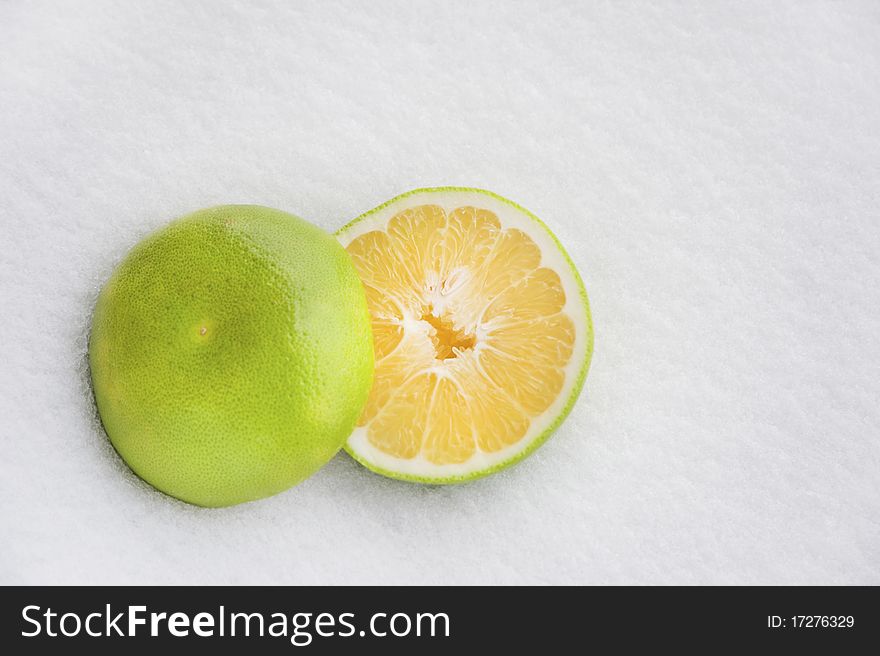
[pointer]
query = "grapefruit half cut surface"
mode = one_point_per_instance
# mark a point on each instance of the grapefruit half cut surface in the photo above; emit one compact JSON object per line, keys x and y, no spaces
{"x":481,"y":331}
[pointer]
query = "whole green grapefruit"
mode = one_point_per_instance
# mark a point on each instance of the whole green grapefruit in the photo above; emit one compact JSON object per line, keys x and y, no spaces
{"x":231,"y":354}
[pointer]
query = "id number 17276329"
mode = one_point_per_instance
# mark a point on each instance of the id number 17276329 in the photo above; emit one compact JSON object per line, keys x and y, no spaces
{"x":811,"y":622}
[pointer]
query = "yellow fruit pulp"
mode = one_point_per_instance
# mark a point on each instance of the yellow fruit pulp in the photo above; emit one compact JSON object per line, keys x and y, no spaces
{"x":470,"y":337}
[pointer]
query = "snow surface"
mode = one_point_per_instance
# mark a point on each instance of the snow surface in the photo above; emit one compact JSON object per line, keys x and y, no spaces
{"x":712,"y":167}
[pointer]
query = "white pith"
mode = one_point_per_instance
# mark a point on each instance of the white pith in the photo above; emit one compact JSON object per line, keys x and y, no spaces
{"x":438,"y":294}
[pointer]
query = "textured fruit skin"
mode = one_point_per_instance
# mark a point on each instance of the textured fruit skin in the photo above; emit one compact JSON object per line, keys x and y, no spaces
{"x":231,"y":354}
{"x":580,"y":378}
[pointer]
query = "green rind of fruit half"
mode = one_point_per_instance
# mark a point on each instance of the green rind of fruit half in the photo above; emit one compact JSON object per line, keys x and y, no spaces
{"x":231,"y":354}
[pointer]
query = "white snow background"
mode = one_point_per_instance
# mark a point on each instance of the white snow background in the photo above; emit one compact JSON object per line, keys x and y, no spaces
{"x":712,"y":167}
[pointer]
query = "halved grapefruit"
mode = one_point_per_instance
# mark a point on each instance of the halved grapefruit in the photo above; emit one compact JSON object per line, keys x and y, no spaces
{"x":481,"y":332}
